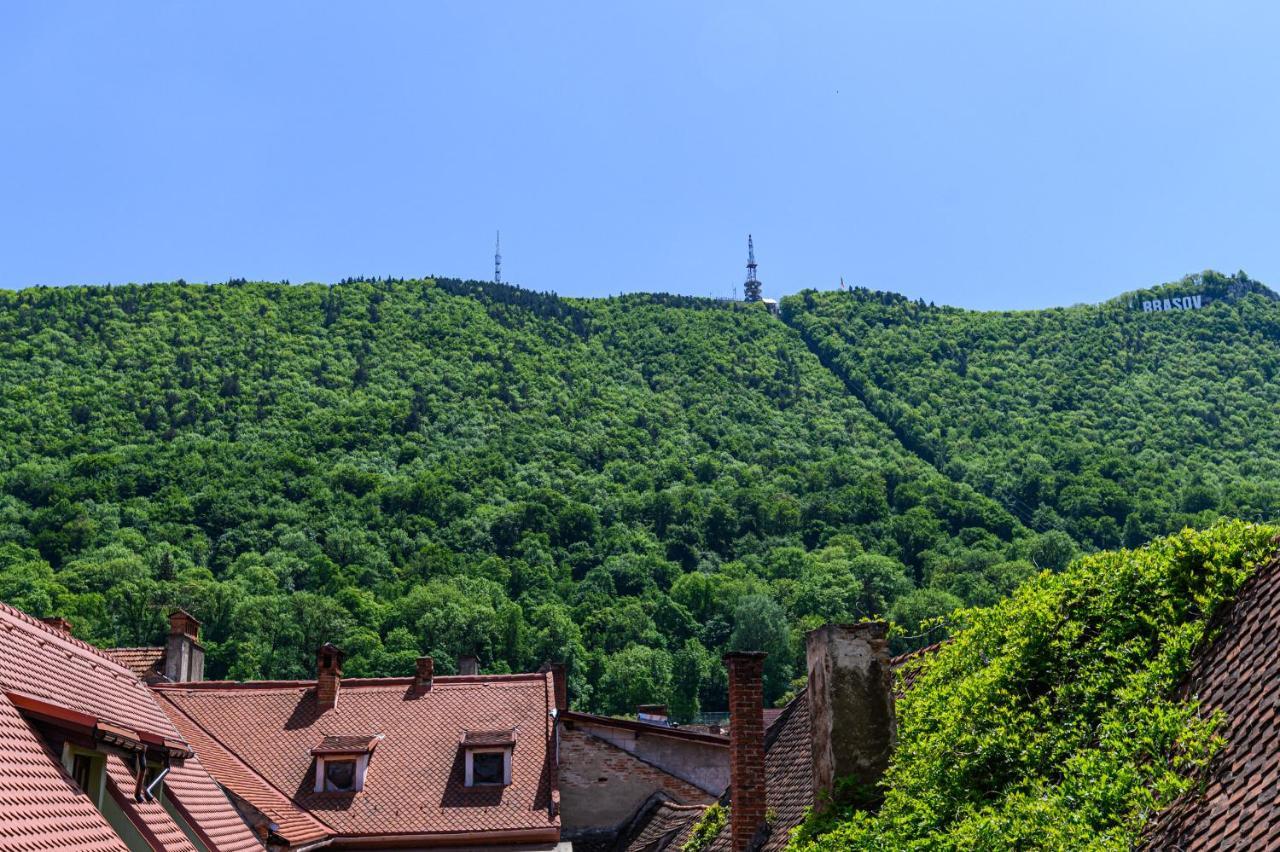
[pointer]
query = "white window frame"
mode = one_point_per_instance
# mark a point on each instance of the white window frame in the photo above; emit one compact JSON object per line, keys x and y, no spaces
{"x":357,"y":783}
{"x":506,"y":767}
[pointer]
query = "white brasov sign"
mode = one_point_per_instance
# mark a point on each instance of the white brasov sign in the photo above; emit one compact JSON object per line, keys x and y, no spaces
{"x":1177,"y":303}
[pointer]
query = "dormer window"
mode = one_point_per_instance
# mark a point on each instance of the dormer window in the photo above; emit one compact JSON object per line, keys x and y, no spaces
{"x":487,"y":757}
{"x":342,"y":763}
{"x":339,"y":775}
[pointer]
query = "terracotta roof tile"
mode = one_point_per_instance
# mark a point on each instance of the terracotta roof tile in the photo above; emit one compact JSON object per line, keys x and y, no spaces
{"x":140,"y":661}
{"x":54,"y":675}
{"x":42,"y":808}
{"x":293,"y":823}
{"x":264,"y":734}
{"x":49,"y":665}
{"x":206,"y":808}
{"x":150,"y":818}
{"x":1239,"y":674}
{"x":666,"y":827}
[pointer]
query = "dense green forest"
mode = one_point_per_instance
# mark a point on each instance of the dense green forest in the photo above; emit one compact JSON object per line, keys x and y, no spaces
{"x":1052,"y":720}
{"x":630,"y":485}
{"x":1106,"y":422}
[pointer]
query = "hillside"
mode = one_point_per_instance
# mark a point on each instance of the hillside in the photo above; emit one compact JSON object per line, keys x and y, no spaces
{"x":1108,"y":422}
{"x":630,"y":485}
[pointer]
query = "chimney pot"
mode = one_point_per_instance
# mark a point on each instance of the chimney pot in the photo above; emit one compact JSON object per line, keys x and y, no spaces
{"x":328,"y":675}
{"x":423,"y":675}
{"x":183,"y":623}
{"x":746,"y":747}
{"x":468,"y":664}
{"x":851,"y":710}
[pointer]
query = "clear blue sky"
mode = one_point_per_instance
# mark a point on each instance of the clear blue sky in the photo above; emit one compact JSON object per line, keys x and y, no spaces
{"x":1010,"y":154}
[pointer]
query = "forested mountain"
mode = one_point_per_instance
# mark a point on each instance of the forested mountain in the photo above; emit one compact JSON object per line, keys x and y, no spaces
{"x":1109,"y":422}
{"x":406,"y":467}
{"x":631,"y":485}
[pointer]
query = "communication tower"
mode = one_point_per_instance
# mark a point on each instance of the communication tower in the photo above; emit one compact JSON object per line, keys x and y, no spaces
{"x":497,"y":259}
{"x":751,"y":289}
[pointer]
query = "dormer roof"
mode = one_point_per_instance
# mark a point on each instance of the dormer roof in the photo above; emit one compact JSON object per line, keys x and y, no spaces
{"x":489,"y":739}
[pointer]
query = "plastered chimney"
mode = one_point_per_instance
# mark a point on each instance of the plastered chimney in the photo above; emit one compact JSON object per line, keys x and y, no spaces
{"x":328,"y":676}
{"x":746,"y":746}
{"x":851,"y":711}
{"x":468,"y":664}
{"x":183,"y":653}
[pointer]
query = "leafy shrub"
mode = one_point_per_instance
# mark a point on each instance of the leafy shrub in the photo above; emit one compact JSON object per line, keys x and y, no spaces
{"x":1052,"y":720}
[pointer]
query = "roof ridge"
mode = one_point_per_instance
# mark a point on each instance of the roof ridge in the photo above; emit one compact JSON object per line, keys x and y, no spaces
{"x":241,"y":761}
{"x":63,"y":635}
{"x":351,"y":682}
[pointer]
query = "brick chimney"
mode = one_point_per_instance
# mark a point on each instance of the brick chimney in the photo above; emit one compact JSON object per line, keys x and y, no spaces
{"x":57,"y":622}
{"x":183,"y":653}
{"x":560,"y":684}
{"x":423,"y":675}
{"x":468,"y":664}
{"x":850,"y":710}
{"x":328,"y":676}
{"x":746,"y":746}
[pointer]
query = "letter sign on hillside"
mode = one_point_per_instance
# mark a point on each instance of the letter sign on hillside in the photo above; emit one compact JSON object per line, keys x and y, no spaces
{"x":1177,"y":303}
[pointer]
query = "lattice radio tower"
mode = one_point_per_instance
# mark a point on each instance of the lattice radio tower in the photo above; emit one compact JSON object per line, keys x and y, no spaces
{"x":751,"y":289}
{"x":497,"y":259}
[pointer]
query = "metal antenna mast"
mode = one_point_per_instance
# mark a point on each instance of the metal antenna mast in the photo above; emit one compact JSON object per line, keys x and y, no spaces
{"x":751,"y":289}
{"x":497,"y":259}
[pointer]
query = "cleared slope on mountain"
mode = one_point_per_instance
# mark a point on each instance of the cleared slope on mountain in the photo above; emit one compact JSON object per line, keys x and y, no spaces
{"x":446,"y":467}
{"x":1108,"y":422}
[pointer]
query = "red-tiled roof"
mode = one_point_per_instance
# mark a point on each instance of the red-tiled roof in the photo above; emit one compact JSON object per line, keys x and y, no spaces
{"x":140,"y":661}
{"x":41,"y":807}
{"x":68,"y":683}
{"x":910,"y":665}
{"x":1239,"y":674}
{"x":47,"y":664}
{"x":665,"y":826}
{"x":414,"y":782}
{"x":293,"y":823}
{"x":150,"y":818}
{"x":206,"y":809}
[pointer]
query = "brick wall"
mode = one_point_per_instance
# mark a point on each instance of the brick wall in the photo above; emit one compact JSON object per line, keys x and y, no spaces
{"x":602,"y":786}
{"x":746,"y":746}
